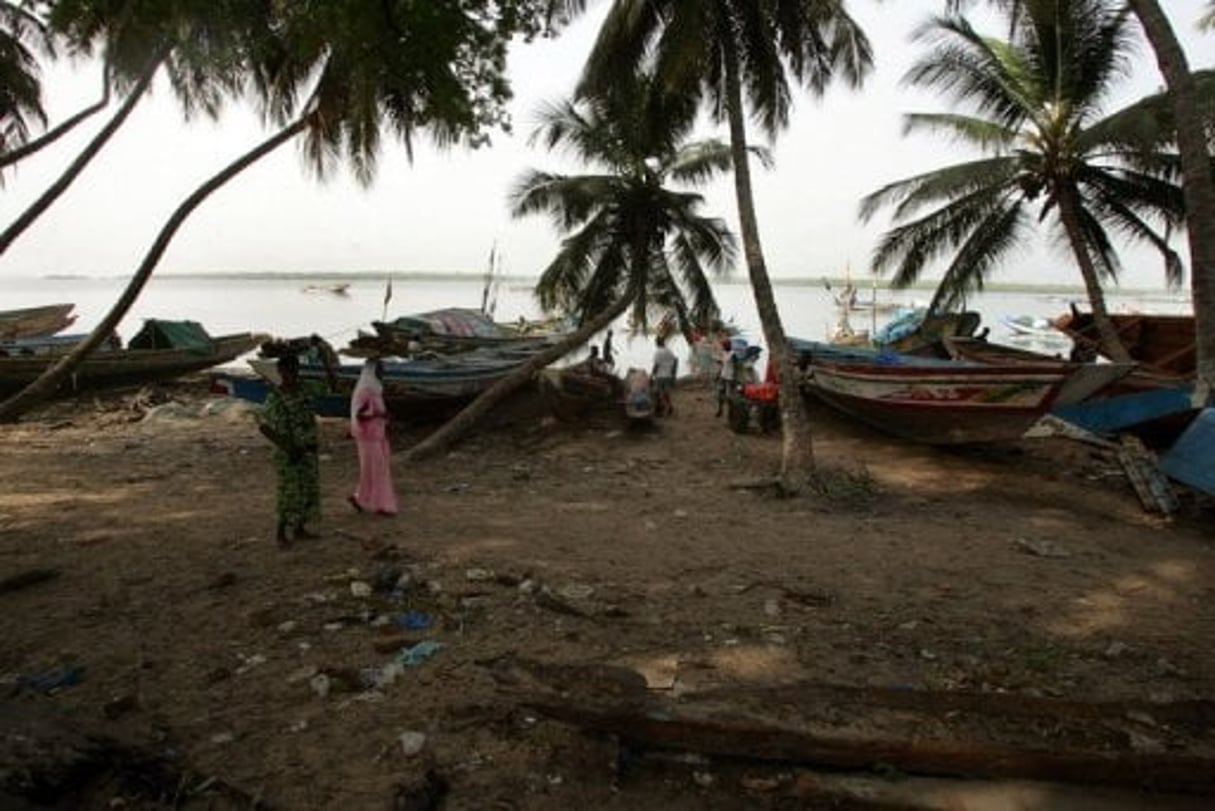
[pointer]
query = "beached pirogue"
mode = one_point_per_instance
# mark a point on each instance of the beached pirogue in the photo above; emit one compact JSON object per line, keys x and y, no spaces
{"x":35,"y":322}
{"x":418,"y":388}
{"x":931,"y":400}
{"x":161,"y":350}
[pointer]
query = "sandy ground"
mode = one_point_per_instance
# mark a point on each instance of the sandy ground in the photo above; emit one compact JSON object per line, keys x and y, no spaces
{"x":1027,"y":570}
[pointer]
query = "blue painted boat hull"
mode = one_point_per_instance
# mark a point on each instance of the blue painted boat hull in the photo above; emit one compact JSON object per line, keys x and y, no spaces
{"x":1191,"y":460}
{"x":254,"y":390}
{"x":1109,"y":415}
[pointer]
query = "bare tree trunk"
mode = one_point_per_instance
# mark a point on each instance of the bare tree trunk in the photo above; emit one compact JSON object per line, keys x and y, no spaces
{"x":797,"y":456}
{"x":77,"y":166}
{"x":1198,"y":184}
{"x":1110,"y":342}
{"x":51,"y":136}
{"x":50,"y":380}
{"x":455,"y":428}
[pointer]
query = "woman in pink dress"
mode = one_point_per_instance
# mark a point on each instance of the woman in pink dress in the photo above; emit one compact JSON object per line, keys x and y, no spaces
{"x":369,"y":427}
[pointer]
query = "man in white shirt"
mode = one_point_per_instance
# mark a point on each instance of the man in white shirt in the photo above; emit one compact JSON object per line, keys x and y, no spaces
{"x":725,"y":377}
{"x":666,"y":366}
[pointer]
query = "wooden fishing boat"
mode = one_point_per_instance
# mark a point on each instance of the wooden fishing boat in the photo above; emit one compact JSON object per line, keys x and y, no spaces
{"x":163,"y":350}
{"x":915,"y":331}
{"x":445,"y":378}
{"x":937,"y":401}
{"x":34,"y":322}
{"x":1031,"y":326}
{"x":1189,"y":460}
{"x":1087,"y":380}
{"x":1162,"y":344}
{"x":572,"y":393}
{"x":254,"y":388}
{"x":447,"y":331}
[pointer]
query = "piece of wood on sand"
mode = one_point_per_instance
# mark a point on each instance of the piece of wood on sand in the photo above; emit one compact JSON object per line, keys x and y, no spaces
{"x":913,"y":732}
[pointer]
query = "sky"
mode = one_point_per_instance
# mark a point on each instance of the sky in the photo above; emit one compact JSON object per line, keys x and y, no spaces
{"x":445,"y":211}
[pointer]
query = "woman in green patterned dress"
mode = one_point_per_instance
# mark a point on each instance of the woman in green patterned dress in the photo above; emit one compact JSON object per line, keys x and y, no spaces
{"x":287,"y":421}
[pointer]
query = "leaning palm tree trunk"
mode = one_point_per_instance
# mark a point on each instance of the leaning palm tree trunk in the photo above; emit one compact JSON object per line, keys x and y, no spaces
{"x":77,"y":166}
{"x":1198,"y":184}
{"x":455,"y":428}
{"x":51,"y":136}
{"x":53,"y":377}
{"x":797,"y":453}
{"x":1110,"y":342}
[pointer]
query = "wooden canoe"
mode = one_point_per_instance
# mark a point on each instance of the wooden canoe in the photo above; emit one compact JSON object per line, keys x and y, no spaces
{"x":1087,"y":379}
{"x":1162,"y":344}
{"x":35,"y":322}
{"x":129,"y":366}
{"x":939,"y":403}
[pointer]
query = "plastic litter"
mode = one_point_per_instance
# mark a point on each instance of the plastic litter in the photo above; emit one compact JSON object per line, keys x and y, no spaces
{"x":414,"y":620}
{"x":51,"y":680}
{"x":419,"y":653}
{"x":412,"y":742}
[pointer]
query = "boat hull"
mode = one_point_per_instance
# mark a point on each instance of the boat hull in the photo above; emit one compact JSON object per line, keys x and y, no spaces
{"x":939,"y":405}
{"x":35,"y":322}
{"x":1085,"y":380}
{"x":108,"y":368}
{"x":1163,"y":344}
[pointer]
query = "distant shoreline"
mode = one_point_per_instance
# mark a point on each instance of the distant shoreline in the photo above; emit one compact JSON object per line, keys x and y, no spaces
{"x":397,"y":276}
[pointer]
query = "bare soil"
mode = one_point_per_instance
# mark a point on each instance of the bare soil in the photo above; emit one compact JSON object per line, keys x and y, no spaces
{"x":1029,"y":569}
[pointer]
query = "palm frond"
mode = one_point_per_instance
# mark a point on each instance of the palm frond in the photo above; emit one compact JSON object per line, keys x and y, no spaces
{"x":971,"y":130}
{"x":910,"y":195}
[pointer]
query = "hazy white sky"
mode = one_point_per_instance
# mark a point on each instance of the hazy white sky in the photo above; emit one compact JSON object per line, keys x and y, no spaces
{"x":443,"y":212}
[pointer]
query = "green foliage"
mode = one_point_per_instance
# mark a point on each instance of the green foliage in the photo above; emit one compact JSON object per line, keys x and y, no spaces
{"x":1036,"y":102}
{"x":22,"y":35}
{"x":626,"y":233}
{"x":355,"y":69}
{"x":689,"y":43}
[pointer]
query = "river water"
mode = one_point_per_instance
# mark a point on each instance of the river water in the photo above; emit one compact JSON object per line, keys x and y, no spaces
{"x":296,"y":305}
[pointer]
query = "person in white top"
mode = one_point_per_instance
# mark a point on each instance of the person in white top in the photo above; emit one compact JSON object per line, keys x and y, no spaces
{"x":663,"y":373}
{"x":725,"y":377}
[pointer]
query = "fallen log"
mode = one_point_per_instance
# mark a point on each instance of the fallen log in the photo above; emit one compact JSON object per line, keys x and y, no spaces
{"x":750,"y":739}
{"x":784,"y":730}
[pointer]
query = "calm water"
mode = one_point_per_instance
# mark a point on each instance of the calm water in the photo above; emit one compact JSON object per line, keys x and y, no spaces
{"x":282,"y":308}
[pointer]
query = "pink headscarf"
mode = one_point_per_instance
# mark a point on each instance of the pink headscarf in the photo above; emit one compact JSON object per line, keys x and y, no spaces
{"x":368,"y":395}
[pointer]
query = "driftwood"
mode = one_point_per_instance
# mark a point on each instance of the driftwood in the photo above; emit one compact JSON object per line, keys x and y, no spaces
{"x":787,"y":725}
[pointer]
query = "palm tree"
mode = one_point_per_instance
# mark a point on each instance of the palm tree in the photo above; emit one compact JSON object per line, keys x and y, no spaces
{"x":21,"y":33}
{"x":736,"y":55}
{"x":1198,"y":184}
{"x":1038,"y":109}
{"x":30,"y":147}
{"x":630,"y":242}
{"x":363,"y":79}
{"x":1198,"y":181}
{"x":202,"y":47}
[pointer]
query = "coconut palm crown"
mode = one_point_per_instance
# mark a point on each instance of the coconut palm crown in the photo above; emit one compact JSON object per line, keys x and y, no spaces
{"x":22,"y":34}
{"x":1053,"y":154}
{"x":628,"y":236}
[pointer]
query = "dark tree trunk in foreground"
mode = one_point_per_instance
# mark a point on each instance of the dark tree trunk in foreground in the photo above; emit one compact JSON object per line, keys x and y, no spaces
{"x":1198,"y":184}
{"x":1111,"y":344}
{"x":31,"y":214}
{"x":455,"y":428}
{"x":50,"y":380}
{"x":51,"y":136}
{"x":797,"y":457}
